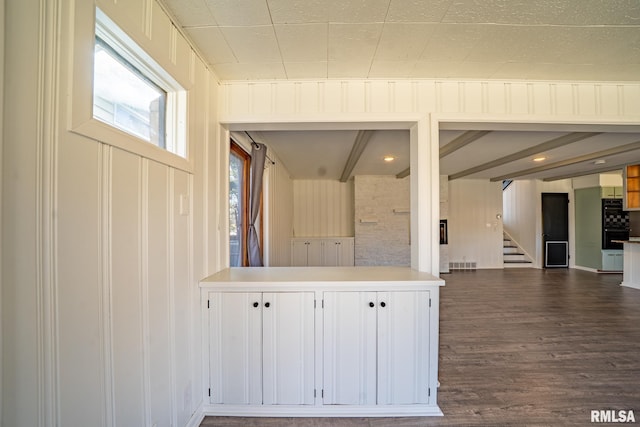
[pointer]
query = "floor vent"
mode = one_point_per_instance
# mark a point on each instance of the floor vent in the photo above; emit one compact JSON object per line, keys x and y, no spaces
{"x":462,"y":266}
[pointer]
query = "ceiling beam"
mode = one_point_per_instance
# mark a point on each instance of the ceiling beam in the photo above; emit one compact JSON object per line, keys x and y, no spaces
{"x":545,"y":146}
{"x":466,"y":138}
{"x":585,"y":173}
{"x":404,"y":173}
{"x":580,"y":159}
{"x":362,"y":139}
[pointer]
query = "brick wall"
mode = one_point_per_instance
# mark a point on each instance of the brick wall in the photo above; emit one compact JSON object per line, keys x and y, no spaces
{"x":382,"y":235}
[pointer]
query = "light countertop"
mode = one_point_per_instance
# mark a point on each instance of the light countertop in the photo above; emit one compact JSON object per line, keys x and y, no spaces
{"x":325,"y":276}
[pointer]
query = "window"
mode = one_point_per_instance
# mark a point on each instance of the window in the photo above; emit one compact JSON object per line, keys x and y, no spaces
{"x":239,"y":171}
{"x":125,"y":98}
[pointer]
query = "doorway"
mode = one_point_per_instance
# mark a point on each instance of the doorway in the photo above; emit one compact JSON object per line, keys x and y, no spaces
{"x":555,"y":229}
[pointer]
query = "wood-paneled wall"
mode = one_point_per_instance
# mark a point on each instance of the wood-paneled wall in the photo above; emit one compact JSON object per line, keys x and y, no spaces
{"x":100,"y":301}
{"x":475,"y":233}
{"x":322,"y":208}
{"x":278,"y":214}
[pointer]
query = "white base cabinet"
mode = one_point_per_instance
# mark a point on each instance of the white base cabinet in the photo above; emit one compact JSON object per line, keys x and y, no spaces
{"x":341,"y":341}
{"x":376,"y":348}
{"x":322,"y":251}
{"x":261,"y":348}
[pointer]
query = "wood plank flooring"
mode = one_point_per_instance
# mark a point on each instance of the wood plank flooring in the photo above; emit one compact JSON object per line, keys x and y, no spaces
{"x":523,"y":347}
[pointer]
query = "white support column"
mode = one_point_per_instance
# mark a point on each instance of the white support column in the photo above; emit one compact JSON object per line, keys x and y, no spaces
{"x":425,"y":203}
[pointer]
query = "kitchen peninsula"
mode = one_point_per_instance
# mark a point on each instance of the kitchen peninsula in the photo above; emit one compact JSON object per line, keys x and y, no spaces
{"x":631,"y":268}
{"x":321,"y":341}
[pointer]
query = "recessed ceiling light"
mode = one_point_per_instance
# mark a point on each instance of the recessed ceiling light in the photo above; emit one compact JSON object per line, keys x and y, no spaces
{"x":389,"y":158}
{"x":539,"y":159}
{"x":600,"y":162}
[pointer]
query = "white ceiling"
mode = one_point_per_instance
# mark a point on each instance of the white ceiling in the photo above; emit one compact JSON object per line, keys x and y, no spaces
{"x":466,"y":39}
{"x":574,"y":40}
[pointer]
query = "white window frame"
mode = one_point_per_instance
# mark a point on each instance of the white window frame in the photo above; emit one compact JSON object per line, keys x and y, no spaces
{"x":81,"y":120}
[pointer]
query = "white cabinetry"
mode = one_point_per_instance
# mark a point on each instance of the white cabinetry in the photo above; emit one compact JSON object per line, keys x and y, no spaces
{"x":322,"y":251}
{"x":261,"y":348}
{"x":306,"y":252}
{"x":321,"y":341}
{"x":376,"y":348}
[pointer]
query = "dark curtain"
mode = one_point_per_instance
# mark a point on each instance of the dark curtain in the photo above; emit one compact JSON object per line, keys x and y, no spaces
{"x":258,"y":155}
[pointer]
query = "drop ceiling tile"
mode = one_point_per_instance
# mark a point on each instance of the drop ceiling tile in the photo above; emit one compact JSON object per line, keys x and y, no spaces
{"x":435,"y":70}
{"x":252,"y":44}
{"x":251,"y":71}
{"x":348,"y":69}
{"x":417,"y":10}
{"x":302,"y":42}
{"x":306,"y":70}
{"x":392,"y":69}
{"x":212,"y":44}
{"x":403,"y":42}
{"x":310,"y":11}
{"x":239,"y":12}
{"x":353,"y":41}
{"x":191,"y":12}
{"x":511,"y":12}
{"x":451,"y":42}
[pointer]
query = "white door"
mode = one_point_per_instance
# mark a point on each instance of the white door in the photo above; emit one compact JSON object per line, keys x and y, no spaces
{"x":288,"y":348}
{"x":330,"y":252}
{"x":235,"y":328}
{"x":346,"y":252}
{"x":349,"y":348}
{"x":403,"y":348}
{"x":314,"y":252}
{"x":299,"y":253}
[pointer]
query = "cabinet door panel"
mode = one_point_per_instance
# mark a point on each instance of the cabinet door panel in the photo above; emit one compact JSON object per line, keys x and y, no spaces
{"x":403,"y":348}
{"x":298,"y":253}
{"x":349,"y":348}
{"x":288,"y":340}
{"x":235,"y":327}
{"x":314,"y":253}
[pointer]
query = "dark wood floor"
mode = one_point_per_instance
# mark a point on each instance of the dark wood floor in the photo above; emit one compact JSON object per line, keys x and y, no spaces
{"x":523,"y":347}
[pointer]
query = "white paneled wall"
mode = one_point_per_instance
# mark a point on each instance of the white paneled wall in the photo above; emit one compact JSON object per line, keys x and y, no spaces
{"x":475,"y":233}
{"x":543,"y":99}
{"x":322,"y":208}
{"x":278,"y":210}
{"x":522,"y":214}
{"x":107,"y":246}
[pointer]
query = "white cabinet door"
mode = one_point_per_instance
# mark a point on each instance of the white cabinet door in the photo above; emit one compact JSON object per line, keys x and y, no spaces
{"x":346,"y":255}
{"x":314,"y":253}
{"x":235,"y":327}
{"x":403,"y":348}
{"x":349,"y":348}
{"x":338,"y":252}
{"x":288,"y":354}
{"x":376,"y":348}
{"x":306,"y":252}
{"x":261,"y":348}
{"x":299,"y":253}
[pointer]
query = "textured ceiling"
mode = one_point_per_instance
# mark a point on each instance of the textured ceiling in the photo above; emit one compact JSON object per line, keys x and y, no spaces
{"x":466,"y":39}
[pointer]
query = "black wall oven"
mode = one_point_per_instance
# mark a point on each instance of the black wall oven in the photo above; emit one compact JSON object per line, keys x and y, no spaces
{"x":615,"y":223}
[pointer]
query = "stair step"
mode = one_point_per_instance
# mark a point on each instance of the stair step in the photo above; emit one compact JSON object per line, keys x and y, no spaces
{"x":517,"y":261}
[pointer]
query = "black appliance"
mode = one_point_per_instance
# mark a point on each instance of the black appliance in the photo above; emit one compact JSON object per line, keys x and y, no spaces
{"x":615,"y":223}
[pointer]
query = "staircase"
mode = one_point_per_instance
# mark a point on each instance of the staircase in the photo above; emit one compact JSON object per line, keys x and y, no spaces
{"x":512,"y":255}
